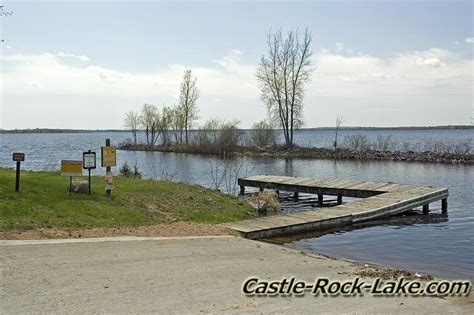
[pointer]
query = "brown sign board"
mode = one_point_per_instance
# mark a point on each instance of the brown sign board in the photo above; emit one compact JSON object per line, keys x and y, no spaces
{"x":18,"y":157}
{"x":109,"y":156}
{"x":71,"y":168}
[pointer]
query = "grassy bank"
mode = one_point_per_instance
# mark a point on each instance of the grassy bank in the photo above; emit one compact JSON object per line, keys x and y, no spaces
{"x":44,"y":202}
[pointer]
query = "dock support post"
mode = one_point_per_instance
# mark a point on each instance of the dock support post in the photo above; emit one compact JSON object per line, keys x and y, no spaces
{"x":242,"y":189}
{"x":444,"y":205}
{"x":320,"y":200}
{"x":296,"y":195}
{"x":339,"y":199}
{"x":260,"y":189}
{"x":277,"y":191}
{"x":426,"y":208}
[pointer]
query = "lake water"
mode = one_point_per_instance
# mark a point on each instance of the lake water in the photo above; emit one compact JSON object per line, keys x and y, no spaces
{"x":433,"y":244}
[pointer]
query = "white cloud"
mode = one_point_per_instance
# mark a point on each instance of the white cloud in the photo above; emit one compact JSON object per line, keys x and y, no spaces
{"x":341,"y":49}
{"x":414,"y":87}
{"x":470,"y":40}
{"x":230,"y":81}
{"x":435,"y":62}
{"x":405,"y":72}
{"x":80,"y":57}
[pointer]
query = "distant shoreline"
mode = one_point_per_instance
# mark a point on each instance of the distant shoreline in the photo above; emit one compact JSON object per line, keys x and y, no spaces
{"x":52,"y":130}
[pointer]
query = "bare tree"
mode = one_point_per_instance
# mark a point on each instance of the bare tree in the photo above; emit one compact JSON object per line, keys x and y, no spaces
{"x":4,"y":13}
{"x":338,"y":125}
{"x":188,"y":96}
{"x":132,"y":122}
{"x":207,"y":135}
{"x":227,"y":172}
{"x":177,"y":123}
{"x":149,"y":119}
{"x":282,"y":76}
{"x":164,"y":123}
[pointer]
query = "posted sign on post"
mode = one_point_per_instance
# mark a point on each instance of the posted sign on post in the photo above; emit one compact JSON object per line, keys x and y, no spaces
{"x":70,"y":168}
{"x":88,"y":163}
{"x":109,"y":159}
{"x":109,"y":156}
{"x":18,"y":157}
{"x":109,"y":181}
{"x":88,"y":160}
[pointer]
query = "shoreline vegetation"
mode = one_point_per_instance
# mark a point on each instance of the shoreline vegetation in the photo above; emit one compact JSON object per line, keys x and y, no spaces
{"x":361,"y":128}
{"x":366,"y":154}
{"x":167,"y":129}
{"x":142,"y":207}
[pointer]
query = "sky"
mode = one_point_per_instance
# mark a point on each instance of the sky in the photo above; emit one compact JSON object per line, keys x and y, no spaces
{"x":83,"y":64}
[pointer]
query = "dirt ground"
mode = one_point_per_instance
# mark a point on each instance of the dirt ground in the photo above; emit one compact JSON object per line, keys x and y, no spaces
{"x":173,"y":229}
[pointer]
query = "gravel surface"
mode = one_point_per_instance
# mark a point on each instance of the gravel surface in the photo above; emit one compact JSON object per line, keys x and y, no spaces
{"x":179,"y":275}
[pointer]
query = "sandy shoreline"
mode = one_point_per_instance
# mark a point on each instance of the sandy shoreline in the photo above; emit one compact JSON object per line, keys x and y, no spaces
{"x":166,"y":230}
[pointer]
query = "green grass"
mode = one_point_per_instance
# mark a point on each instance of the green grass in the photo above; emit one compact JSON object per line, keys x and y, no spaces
{"x":44,"y":202}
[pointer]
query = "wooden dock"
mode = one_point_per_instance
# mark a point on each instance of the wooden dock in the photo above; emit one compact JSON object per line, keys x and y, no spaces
{"x":377,"y":200}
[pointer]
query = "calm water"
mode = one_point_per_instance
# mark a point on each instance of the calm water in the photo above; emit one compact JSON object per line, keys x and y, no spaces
{"x":428,"y":244}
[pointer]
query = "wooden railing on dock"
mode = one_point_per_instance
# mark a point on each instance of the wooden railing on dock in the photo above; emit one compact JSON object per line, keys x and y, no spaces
{"x":378,"y":200}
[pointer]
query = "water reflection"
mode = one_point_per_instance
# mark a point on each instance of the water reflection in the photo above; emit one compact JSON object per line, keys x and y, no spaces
{"x":404,"y":220}
{"x":289,"y":167}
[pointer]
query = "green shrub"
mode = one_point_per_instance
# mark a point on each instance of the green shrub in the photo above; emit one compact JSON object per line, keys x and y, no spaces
{"x":228,"y":135}
{"x":262,"y":134}
{"x":126,"y":171}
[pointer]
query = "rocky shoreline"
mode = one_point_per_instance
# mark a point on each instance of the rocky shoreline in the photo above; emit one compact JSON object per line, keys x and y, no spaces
{"x":315,"y":153}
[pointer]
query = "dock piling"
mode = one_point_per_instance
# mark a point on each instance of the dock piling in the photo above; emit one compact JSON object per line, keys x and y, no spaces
{"x":426,"y":208}
{"x":339,"y":199}
{"x":320,"y":200}
{"x":444,"y":206}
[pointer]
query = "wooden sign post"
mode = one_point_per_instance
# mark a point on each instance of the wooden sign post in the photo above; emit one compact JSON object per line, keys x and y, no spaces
{"x":88,"y":163}
{"x":18,"y":158}
{"x":108,"y":160}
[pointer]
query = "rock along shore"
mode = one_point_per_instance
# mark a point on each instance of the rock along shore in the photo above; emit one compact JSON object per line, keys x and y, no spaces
{"x":315,"y":153}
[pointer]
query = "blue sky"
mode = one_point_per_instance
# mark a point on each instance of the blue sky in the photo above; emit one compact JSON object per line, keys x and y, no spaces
{"x":381,"y":63}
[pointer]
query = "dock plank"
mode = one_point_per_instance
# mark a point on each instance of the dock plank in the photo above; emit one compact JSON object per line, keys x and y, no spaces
{"x":381,"y":199}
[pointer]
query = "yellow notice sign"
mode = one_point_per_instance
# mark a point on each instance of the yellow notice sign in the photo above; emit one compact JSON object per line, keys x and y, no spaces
{"x":109,"y":156}
{"x":71,"y":168}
